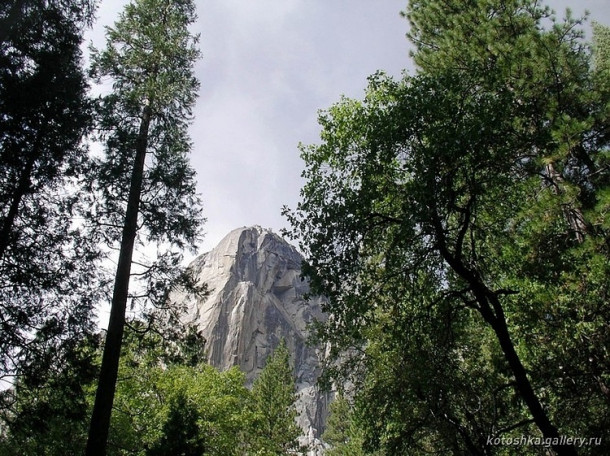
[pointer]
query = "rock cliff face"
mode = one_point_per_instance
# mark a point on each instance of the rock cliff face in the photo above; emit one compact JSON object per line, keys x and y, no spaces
{"x":255,"y":301}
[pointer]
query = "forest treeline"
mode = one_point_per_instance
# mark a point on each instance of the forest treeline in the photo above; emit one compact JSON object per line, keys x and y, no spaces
{"x":457,"y":220}
{"x":168,"y":401}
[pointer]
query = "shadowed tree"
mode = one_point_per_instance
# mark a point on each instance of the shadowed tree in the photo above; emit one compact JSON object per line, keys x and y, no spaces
{"x":46,"y":278}
{"x":49,"y":406}
{"x":181,"y":435}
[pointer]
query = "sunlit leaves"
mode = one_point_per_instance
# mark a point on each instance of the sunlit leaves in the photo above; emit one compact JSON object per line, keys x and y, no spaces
{"x":482,"y":178}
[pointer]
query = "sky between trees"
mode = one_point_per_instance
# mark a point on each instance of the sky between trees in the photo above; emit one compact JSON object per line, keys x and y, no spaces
{"x":267,"y":68}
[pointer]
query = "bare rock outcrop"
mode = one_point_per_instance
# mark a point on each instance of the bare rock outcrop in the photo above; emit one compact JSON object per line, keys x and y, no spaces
{"x":257,"y":299}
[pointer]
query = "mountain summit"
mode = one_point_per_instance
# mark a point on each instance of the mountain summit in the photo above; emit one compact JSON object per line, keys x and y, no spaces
{"x":256,"y":300}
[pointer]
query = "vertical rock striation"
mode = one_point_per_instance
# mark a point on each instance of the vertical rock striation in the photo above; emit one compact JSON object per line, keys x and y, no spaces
{"x":257,"y":299}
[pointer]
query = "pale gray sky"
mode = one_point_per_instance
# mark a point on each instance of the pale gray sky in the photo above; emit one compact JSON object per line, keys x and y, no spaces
{"x":268,"y":66}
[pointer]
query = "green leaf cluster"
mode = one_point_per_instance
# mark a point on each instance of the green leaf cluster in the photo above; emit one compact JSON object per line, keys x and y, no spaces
{"x":457,"y":221}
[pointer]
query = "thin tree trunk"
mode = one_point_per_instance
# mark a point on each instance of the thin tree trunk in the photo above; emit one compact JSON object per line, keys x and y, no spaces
{"x":491,"y":310}
{"x":102,"y":409}
{"x":523,"y":384}
{"x":573,"y":215}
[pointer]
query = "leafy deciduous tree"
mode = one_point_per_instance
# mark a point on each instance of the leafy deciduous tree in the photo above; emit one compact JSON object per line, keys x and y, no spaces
{"x":472,"y":195}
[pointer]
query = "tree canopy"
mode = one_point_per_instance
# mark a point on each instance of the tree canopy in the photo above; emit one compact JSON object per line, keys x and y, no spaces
{"x":457,"y":220}
{"x":47,"y":282}
{"x":168,"y":402}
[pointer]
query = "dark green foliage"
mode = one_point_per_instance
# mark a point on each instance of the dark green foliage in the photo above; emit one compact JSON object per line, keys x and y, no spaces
{"x":457,"y":220}
{"x":181,"y":435}
{"x":47,"y":407}
{"x":50,"y":405}
{"x":45,"y":258}
{"x":13,"y":14}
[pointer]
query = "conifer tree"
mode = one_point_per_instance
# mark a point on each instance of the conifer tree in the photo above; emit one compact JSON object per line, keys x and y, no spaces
{"x":274,"y":398}
{"x":342,"y":432}
{"x":46,"y":274}
{"x":144,"y":183}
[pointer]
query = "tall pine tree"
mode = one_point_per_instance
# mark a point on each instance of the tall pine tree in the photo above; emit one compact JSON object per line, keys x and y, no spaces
{"x":274,"y":405}
{"x":144,"y":183}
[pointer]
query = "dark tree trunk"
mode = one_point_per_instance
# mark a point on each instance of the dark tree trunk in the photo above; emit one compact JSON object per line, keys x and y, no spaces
{"x":524,"y":387}
{"x":102,"y":409}
{"x":490,"y":308}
